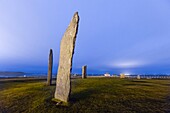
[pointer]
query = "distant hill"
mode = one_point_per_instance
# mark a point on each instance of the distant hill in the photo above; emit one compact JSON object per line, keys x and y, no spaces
{"x":11,"y":73}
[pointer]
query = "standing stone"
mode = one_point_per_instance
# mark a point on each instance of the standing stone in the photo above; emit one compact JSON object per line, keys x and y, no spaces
{"x":84,"y":72}
{"x":138,"y":76}
{"x":122,"y":75}
{"x":67,"y":45}
{"x":50,"y":66}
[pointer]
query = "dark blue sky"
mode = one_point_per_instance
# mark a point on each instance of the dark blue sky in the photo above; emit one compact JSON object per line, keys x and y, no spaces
{"x":116,"y":36}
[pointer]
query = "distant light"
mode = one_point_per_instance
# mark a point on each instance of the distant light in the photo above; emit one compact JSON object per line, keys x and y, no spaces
{"x":107,"y":74}
{"x":127,"y":73}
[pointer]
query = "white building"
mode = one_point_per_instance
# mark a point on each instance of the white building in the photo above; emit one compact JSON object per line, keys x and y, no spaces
{"x":107,"y":75}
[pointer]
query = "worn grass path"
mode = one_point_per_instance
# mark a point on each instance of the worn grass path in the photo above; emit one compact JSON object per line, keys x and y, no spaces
{"x":92,"y":95}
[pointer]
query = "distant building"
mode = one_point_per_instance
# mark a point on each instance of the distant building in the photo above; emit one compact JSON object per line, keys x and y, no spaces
{"x":74,"y":75}
{"x":115,"y":75}
{"x":107,"y":75}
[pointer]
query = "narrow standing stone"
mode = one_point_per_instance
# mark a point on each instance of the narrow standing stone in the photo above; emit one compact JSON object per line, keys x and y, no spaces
{"x":67,"y":45}
{"x":138,"y":76}
{"x":84,"y":72}
{"x":50,"y":66}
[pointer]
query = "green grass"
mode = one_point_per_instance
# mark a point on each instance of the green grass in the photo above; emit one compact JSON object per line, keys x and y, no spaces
{"x":90,"y":95}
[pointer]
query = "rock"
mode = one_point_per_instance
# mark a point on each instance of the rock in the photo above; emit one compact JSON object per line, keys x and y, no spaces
{"x":84,"y":72}
{"x":67,"y":45}
{"x":58,"y":103}
{"x":50,"y":66}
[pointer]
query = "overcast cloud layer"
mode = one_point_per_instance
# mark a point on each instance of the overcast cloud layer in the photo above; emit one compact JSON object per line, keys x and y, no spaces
{"x":116,"y":36}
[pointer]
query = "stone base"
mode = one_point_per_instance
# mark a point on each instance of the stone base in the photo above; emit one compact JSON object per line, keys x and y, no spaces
{"x":60,"y":103}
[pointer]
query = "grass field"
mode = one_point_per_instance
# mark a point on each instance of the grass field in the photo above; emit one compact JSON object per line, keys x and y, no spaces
{"x":92,"y":95}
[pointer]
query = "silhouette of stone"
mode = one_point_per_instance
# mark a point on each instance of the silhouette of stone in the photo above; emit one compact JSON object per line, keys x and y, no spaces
{"x":50,"y":66}
{"x":67,"y":45}
{"x":84,"y":72}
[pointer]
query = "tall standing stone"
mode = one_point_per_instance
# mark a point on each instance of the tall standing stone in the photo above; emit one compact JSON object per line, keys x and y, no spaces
{"x":50,"y":66}
{"x":67,"y":45}
{"x":84,"y":72}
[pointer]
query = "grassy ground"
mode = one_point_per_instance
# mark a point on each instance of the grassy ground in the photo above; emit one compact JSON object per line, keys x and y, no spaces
{"x":91,"y":95}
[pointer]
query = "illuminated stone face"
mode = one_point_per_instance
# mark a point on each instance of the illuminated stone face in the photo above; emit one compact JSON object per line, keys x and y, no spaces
{"x":67,"y":45}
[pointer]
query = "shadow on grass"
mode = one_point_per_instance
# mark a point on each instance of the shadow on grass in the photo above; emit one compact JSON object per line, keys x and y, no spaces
{"x":83,"y":95}
{"x":2,"y":110}
{"x":140,"y":81}
{"x":165,"y":84}
{"x":21,"y":80}
{"x":137,"y":85}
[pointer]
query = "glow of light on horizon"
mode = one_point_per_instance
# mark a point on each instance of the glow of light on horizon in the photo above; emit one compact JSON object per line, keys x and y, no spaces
{"x":127,"y":73}
{"x":126,"y":64}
